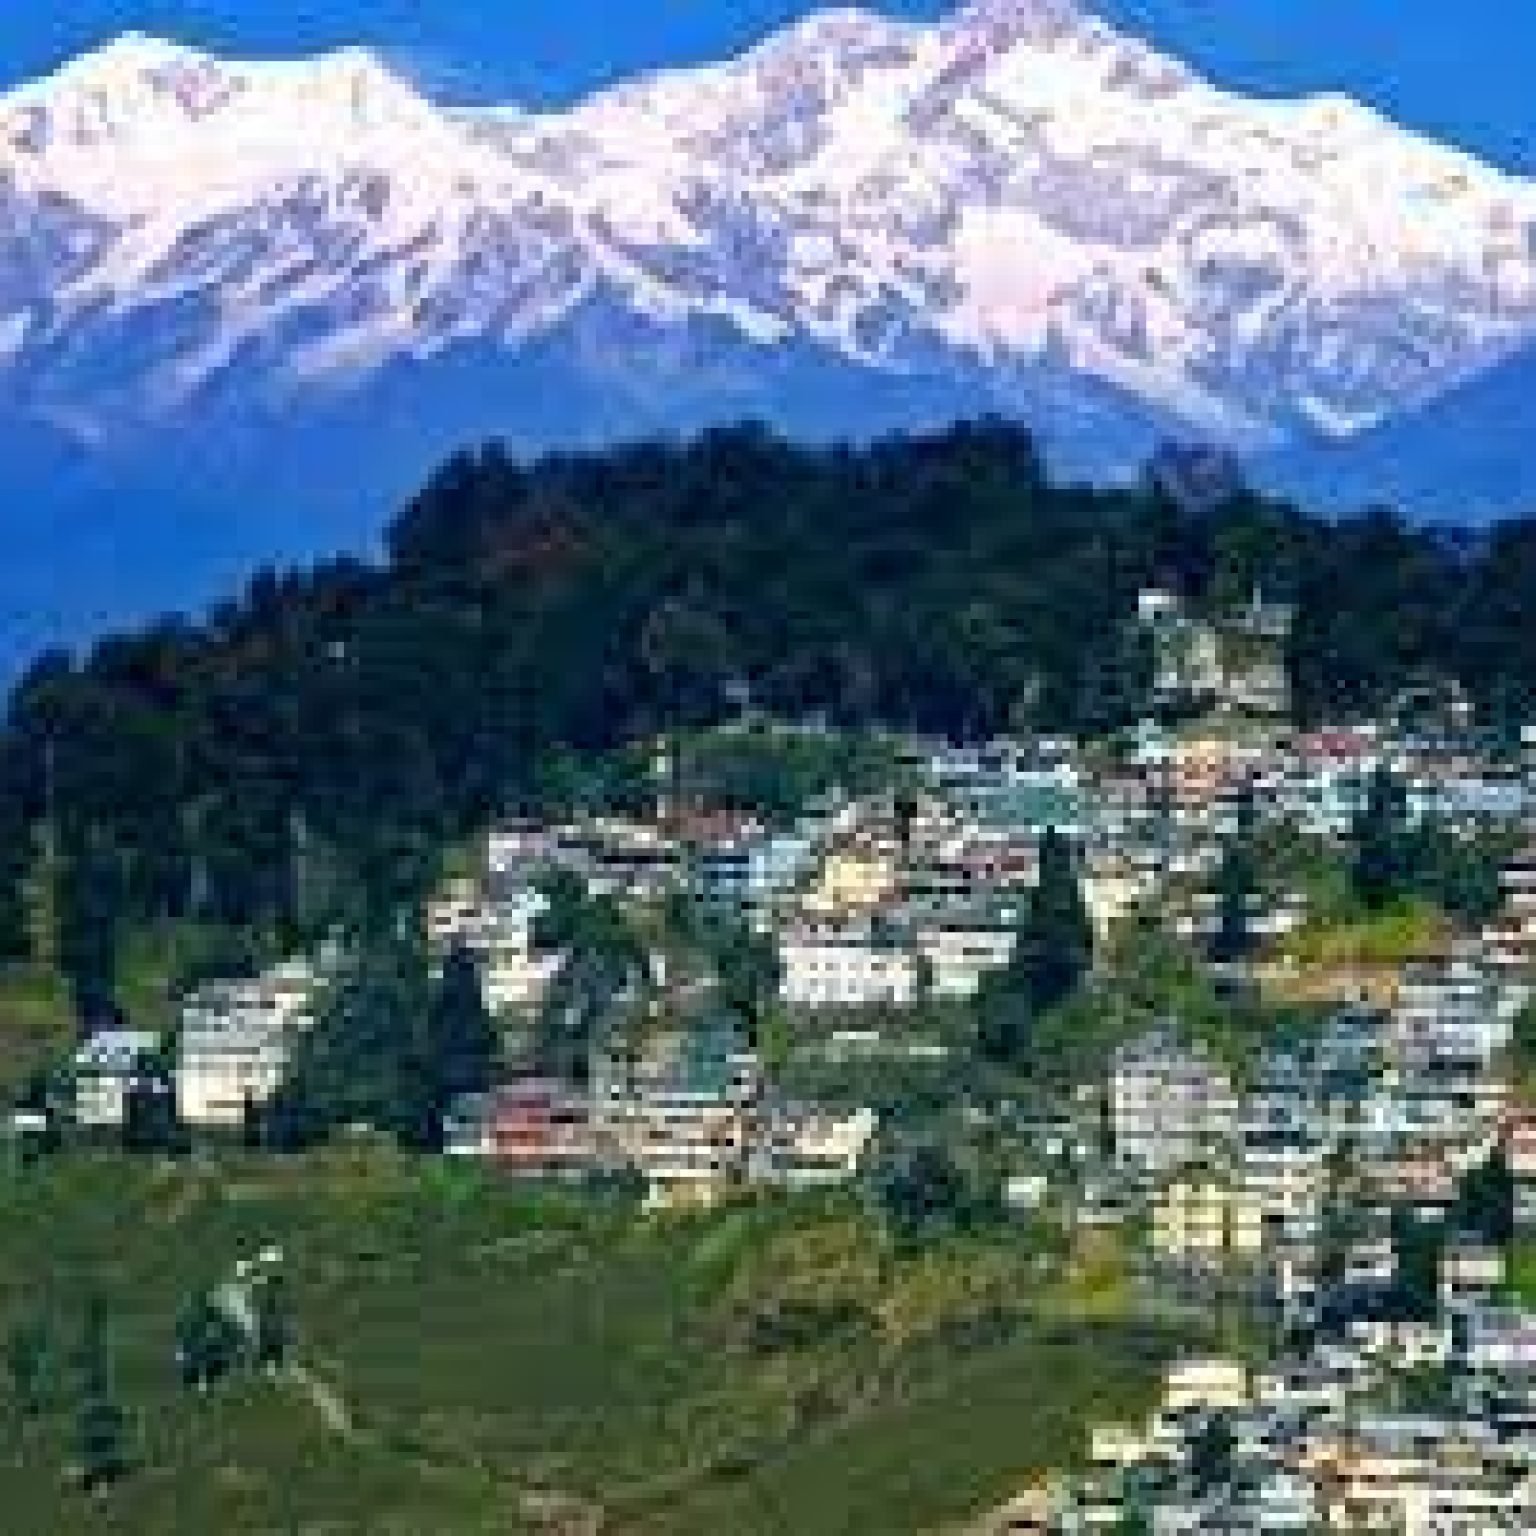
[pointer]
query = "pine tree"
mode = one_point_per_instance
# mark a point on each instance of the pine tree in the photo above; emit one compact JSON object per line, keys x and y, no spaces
{"x":102,"y":1433}
{"x":274,"y":1325}
{"x":366,"y":1059}
{"x":207,"y":1343}
{"x":1233,"y":938}
{"x":26,"y":1361}
{"x":1058,"y":941}
{"x":1485,"y":1203}
{"x":101,"y":1426}
{"x":150,"y":1122}
{"x":1052,"y":954}
{"x":463,"y":1035}
{"x":1114,"y":681}
{"x":1236,"y":885}
{"x":1379,"y":836}
{"x":89,"y":919}
{"x":42,"y":889}
{"x":920,"y":1191}
{"x":253,"y":1124}
{"x":1210,"y":1454}
{"x":748,"y":972}
{"x":571,"y":1018}
{"x":1417,"y":1247}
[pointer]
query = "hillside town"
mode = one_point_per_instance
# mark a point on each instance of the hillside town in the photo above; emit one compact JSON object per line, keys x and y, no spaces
{"x":1348,"y":1186}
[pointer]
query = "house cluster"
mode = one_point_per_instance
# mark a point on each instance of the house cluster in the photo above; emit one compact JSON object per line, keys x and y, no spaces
{"x":495,"y":919}
{"x":690,"y":1113}
{"x":1380,"y":1111}
{"x":1358,"y":1191}
{"x":227,"y":1056}
{"x":911,"y":894}
{"x":1339,"y":1185}
{"x":1330,"y":1439}
{"x":891,"y":902}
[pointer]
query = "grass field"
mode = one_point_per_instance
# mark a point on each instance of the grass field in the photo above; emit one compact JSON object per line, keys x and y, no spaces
{"x":484,"y":1359}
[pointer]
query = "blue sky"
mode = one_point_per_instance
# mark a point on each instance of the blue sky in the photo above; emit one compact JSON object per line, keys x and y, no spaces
{"x":1461,"y":69}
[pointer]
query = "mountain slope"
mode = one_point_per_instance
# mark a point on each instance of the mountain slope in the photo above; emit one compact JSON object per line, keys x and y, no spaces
{"x":1465,"y":458}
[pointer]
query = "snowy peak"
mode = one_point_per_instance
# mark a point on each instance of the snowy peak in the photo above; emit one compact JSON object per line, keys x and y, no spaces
{"x":1015,"y":204}
{"x":123,"y":89}
{"x":1003,"y":22}
{"x":126,"y":61}
{"x":142,"y":94}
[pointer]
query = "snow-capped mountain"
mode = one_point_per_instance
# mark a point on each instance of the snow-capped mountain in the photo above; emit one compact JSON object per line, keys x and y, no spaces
{"x":1012,"y":195}
{"x":249,"y":284}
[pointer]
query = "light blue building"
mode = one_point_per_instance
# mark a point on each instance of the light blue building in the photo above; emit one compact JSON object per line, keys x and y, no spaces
{"x":752,"y":870}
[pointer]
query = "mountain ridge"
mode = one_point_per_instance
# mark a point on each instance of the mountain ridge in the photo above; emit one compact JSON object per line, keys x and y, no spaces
{"x":859,"y":224}
{"x":1016,"y":186}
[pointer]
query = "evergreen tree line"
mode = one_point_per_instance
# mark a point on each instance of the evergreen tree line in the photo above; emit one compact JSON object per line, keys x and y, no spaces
{"x":391,"y":1049}
{"x":45,"y":1376}
{"x":297,"y":756}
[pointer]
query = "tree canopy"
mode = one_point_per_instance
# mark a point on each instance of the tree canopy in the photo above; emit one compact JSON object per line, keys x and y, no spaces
{"x":1052,"y":954}
{"x":310,"y":742}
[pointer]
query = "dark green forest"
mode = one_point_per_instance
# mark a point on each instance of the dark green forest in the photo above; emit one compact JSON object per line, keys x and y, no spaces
{"x":317,"y":737}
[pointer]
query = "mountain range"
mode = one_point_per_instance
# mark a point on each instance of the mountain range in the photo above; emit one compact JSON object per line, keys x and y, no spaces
{"x":244,"y":306}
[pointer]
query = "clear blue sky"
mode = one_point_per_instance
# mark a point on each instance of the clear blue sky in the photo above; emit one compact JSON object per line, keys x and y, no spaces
{"x":1461,"y":69}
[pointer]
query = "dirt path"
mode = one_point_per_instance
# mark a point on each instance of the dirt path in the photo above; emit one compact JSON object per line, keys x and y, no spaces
{"x":326,"y":1401}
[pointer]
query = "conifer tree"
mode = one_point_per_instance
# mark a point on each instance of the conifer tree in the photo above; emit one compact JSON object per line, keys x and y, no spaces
{"x":1057,"y":947}
{"x":1236,"y":885}
{"x":150,"y":1121}
{"x":253,"y":1124}
{"x":101,"y":1427}
{"x":1052,"y":954}
{"x":41,"y":891}
{"x":366,"y":1060}
{"x":26,"y":1362}
{"x":89,"y":919}
{"x":1378,"y":836}
{"x":207,"y":1343}
{"x":464,"y":1039}
{"x":274,"y":1324}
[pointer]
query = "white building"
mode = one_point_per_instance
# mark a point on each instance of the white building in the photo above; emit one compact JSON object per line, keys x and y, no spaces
{"x":499,"y":929}
{"x":235,"y":1040}
{"x":1285,"y":1176}
{"x":1170,"y":1105}
{"x":1472,"y":1273}
{"x":1207,"y":1384}
{"x":514,"y":849}
{"x":104,"y":1069}
{"x":803,"y":1148}
{"x":847,"y":967}
{"x":753,"y":868}
{"x":959,"y":954}
{"x":1448,"y":1009}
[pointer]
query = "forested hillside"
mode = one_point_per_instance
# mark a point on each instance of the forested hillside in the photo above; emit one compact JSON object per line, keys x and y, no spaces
{"x":341,"y":722}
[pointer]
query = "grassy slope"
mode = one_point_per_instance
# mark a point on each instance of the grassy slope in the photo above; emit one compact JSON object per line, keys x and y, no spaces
{"x":36,"y":1023}
{"x":505,"y":1353}
{"x":969,"y":1441}
{"x":1522,"y":1272}
{"x":1404,"y":931}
